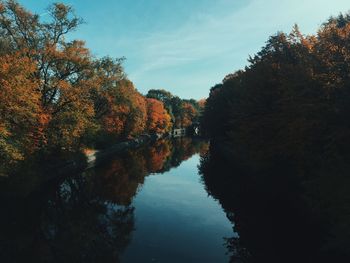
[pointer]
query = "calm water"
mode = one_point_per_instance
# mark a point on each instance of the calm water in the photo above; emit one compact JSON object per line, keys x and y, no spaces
{"x":150,"y":205}
{"x":176,"y":220}
{"x":146,"y":205}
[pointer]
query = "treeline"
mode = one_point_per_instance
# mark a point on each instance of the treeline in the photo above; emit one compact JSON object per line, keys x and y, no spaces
{"x":56,"y":97}
{"x":279,"y":152}
{"x":291,"y":102}
{"x":183,"y":112}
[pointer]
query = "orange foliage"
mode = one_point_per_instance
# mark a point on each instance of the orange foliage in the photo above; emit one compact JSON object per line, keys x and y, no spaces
{"x":157,"y":155}
{"x":158,"y":117}
{"x":20,"y":106}
{"x":189,"y":113}
{"x":119,"y":181}
{"x":127,"y":114}
{"x":55,"y":95}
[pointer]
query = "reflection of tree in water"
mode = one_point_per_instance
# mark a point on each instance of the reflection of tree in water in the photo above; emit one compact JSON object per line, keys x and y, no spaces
{"x":87,"y":217}
{"x":182,"y":149}
{"x":279,"y":216}
{"x":158,"y":154}
{"x":119,"y":179}
{"x":74,"y":225}
{"x":81,"y":227}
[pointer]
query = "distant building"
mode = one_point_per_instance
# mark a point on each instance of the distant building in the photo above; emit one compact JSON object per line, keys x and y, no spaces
{"x":178,"y":132}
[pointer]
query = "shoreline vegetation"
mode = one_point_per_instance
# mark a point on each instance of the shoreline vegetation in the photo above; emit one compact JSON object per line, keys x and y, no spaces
{"x":279,"y":152}
{"x":37,"y":175}
{"x":278,"y":159}
{"x":56,"y":99}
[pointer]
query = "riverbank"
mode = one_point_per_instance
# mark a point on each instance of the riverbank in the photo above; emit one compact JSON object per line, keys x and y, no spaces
{"x":40,"y":175}
{"x":96,"y":157}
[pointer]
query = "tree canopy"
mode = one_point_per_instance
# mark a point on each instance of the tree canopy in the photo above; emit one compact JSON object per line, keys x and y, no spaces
{"x":56,"y":97}
{"x":291,"y":101}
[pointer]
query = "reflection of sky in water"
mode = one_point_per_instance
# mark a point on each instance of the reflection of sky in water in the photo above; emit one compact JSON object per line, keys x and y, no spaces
{"x":176,"y":220}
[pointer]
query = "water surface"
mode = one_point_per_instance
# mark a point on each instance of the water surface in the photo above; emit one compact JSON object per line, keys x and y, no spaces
{"x":144,"y":205}
{"x":176,"y":220}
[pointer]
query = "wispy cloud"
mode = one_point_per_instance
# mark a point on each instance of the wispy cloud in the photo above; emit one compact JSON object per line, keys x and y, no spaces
{"x":201,"y":38}
{"x":228,"y":36}
{"x":187,"y":46}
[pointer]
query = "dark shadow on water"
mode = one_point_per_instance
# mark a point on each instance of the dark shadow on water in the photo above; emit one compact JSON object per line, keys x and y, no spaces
{"x":281,"y":214}
{"x":67,"y":222}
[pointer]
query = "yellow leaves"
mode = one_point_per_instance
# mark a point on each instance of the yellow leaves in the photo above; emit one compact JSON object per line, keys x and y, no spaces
{"x":18,"y":88}
{"x":4,"y":132}
{"x":19,"y":105}
{"x":9,"y":153}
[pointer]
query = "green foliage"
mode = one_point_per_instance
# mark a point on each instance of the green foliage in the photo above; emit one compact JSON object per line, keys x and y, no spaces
{"x":182,"y":112}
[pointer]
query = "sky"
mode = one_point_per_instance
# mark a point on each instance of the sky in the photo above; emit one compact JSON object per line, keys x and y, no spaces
{"x":187,"y":46}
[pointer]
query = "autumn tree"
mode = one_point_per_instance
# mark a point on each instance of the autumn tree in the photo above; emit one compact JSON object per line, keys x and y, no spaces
{"x":62,"y":68}
{"x":332,"y":52}
{"x":158,"y":118}
{"x":182,"y":112}
{"x":188,"y":114}
{"x":280,"y":128}
{"x":57,"y":98}
{"x":291,"y":102}
{"x":20,"y":111}
{"x":107,"y":73}
{"x":127,"y":113}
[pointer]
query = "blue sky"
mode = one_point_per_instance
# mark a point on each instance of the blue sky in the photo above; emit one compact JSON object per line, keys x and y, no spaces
{"x":187,"y":46}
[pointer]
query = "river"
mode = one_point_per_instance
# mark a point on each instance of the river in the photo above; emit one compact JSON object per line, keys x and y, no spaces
{"x":146,"y":205}
{"x":176,"y":220}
